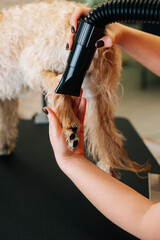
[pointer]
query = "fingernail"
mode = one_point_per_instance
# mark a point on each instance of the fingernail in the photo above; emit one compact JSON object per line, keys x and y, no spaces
{"x":67,"y":46}
{"x":99,"y":44}
{"x":45,"y":111}
{"x":73,"y":29}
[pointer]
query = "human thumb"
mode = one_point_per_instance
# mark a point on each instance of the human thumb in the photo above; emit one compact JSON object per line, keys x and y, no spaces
{"x":54,"y":126}
{"x":104,"y":42}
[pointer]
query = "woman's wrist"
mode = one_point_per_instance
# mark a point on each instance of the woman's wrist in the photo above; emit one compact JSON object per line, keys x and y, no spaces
{"x":69,"y":164}
{"x":119,"y":31}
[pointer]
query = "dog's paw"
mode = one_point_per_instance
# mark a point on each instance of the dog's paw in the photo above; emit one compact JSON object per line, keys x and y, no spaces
{"x":72,"y":139}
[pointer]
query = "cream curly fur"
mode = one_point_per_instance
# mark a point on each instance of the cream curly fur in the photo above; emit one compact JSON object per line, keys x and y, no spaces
{"x":33,"y":55}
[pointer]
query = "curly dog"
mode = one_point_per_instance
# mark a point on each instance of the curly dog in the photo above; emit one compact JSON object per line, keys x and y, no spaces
{"x":33,"y":55}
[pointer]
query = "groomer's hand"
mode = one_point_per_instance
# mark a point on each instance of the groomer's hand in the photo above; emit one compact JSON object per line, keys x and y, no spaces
{"x":74,"y":24}
{"x":113,"y":31}
{"x":57,"y":137}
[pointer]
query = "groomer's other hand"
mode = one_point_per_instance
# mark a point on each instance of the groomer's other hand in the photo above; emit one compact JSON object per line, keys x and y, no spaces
{"x":57,"y":137}
{"x":74,"y":24}
{"x":113,"y":31}
{"x":113,"y":36}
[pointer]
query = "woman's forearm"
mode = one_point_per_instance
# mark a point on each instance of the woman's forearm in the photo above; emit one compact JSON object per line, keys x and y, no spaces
{"x":118,"y":202}
{"x":143,"y":47}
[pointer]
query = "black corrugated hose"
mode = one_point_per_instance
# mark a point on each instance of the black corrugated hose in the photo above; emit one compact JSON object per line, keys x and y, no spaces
{"x":124,"y":11}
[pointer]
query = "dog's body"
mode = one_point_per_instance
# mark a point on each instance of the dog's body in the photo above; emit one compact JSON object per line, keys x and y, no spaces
{"x":33,"y":55}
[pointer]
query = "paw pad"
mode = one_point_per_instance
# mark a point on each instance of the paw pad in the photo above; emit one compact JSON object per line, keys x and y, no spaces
{"x":75,"y":143}
{"x":72,"y":137}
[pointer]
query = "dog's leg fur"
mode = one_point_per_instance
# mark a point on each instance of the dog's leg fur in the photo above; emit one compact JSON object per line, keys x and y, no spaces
{"x":8,"y":125}
{"x":104,"y":141}
{"x":63,"y":104}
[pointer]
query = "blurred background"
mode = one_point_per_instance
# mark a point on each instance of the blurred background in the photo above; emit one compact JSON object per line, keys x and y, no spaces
{"x":139,"y":94}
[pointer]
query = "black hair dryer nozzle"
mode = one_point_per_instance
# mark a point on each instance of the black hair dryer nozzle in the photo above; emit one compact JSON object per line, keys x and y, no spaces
{"x":79,"y":59}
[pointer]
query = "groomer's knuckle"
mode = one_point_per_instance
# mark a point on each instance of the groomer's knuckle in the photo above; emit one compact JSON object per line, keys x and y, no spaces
{"x":71,"y":20}
{"x":74,"y":15}
{"x":77,"y":9}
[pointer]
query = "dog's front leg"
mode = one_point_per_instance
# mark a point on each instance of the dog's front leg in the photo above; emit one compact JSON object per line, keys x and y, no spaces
{"x":8,"y":125}
{"x":64,"y":107}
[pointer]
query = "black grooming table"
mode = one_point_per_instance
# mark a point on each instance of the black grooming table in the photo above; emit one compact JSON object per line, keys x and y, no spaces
{"x":38,"y":202}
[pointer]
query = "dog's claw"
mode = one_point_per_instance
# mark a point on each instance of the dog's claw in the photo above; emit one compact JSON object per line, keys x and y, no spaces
{"x":74,"y":129}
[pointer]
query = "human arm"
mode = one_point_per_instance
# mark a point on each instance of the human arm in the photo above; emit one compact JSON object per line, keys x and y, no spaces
{"x":143,"y":47}
{"x":121,"y":204}
{"x":115,"y":200}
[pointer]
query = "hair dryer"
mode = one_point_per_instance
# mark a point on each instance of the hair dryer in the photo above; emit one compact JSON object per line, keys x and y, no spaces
{"x":91,"y":28}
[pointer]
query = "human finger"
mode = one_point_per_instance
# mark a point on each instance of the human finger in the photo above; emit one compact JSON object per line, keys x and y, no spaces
{"x":54,"y":125}
{"x":105,"y":42}
{"x":70,"y":41}
{"x":74,"y":24}
{"x":76,"y":16}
